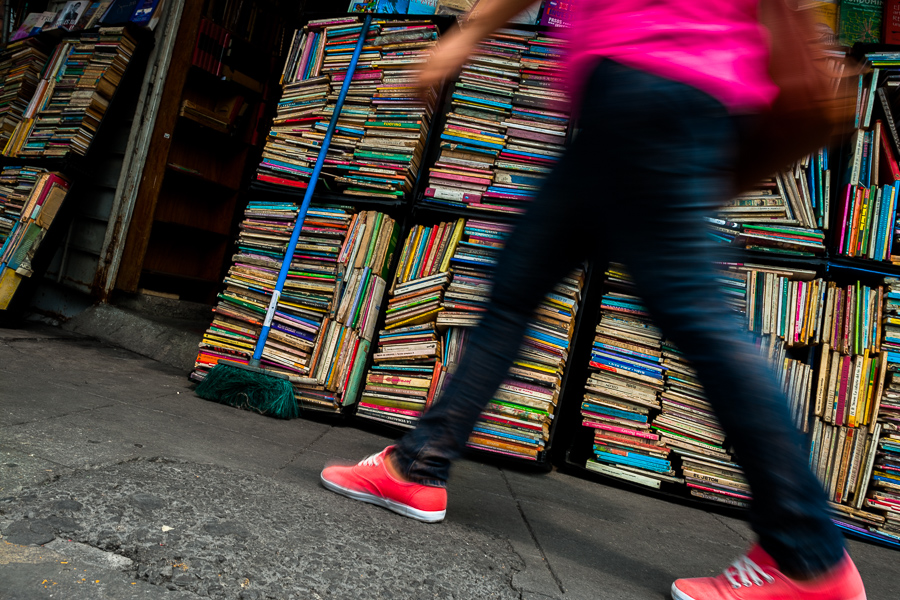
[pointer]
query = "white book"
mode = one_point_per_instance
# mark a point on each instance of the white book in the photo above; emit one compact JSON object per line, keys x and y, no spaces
{"x":611,"y":471}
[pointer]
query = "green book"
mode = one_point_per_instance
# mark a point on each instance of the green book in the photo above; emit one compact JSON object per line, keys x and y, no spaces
{"x":860,"y":21}
{"x":357,"y":373}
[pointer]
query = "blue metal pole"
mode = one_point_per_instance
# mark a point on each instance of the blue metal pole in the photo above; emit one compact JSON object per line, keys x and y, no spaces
{"x":307,"y":197}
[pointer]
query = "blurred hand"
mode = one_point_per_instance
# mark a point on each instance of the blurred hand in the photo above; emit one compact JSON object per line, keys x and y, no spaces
{"x":447,"y":58}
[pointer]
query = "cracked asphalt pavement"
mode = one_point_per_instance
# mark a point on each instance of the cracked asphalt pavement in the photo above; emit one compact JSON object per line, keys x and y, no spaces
{"x":116,"y":482}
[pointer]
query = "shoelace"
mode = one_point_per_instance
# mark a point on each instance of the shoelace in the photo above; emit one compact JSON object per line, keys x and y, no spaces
{"x":746,"y":573}
{"x":371,"y":461}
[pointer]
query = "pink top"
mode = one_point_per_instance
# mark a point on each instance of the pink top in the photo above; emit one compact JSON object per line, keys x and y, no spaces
{"x":716,"y":46}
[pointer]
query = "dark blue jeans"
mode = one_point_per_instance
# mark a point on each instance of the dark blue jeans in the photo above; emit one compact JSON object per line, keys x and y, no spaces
{"x":653,"y":157}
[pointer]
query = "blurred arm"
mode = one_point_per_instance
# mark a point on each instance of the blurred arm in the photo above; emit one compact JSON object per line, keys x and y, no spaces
{"x":455,"y":47}
{"x":489,"y":15}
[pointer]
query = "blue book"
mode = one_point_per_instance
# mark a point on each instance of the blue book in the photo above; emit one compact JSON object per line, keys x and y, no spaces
{"x":631,"y":462}
{"x":410,"y":368}
{"x":504,"y":434}
{"x":652,"y":367}
{"x":499,"y":189}
{"x":611,"y":348}
{"x":422,"y":7}
{"x":892,"y":218}
{"x":614,"y":412}
{"x":545,"y":337}
{"x":626,"y":367}
{"x":634,"y":455}
{"x":467,"y":141}
{"x":889,"y":201}
{"x":483,"y":101}
{"x":880,"y":221}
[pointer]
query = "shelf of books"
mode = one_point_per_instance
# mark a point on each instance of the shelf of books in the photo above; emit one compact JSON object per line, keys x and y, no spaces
{"x":378,"y":148}
{"x":30,"y":199}
{"x":324,"y":325}
{"x":505,"y":125}
{"x":56,"y":86}
{"x":864,"y":232}
{"x":646,"y":420}
{"x":72,"y":86}
{"x":438,"y":293}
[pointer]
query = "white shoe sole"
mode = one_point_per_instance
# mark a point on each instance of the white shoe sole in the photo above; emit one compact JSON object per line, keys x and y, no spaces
{"x":426,"y":516}
{"x":679,"y":595}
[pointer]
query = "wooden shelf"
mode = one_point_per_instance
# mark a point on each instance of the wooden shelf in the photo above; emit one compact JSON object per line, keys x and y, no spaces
{"x":225,"y":82}
{"x":210,"y":280}
{"x":197,"y":176}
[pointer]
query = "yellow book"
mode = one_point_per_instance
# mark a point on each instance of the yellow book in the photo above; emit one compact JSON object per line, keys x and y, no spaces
{"x":871,"y":376}
{"x":536,"y":367}
{"x":411,"y":259}
{"x":454,"y":242}
{"x":9,"y":283}
{"x":417,"y":320}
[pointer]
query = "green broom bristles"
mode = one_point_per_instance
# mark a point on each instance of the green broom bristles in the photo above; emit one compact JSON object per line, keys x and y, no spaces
{"x":242,"y":388}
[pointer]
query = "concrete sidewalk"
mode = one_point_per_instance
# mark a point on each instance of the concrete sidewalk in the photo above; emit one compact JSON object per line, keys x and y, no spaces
{"x":117,"y":482}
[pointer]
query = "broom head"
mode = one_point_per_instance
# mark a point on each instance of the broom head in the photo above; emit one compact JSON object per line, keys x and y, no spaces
{"x":250,"y":388}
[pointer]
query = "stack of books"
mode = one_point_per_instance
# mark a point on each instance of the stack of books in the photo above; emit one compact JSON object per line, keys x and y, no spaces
{"x":852,"y":320}
{"x":262,"y":242}
{"x":884,"y":493}
{"x":535,"y":131}
{"x":402,"y":383}
{"x":866,"y":203}
{"x":377,"y":148}
{"x":867,"y":220}
{"x":472,"y":263}
{"x":21,"y":64}
{"x":788,"y":308}
{"x":31,"y":199}
{"x":884,"y":489}
{"x":440,"y":290}
{"x":849,"y":462}
{"x":326,"y":315}
{"x":506,"y":126}
{"x":848,"y":388}
{"x":784,"y":214}
{"x":16,"y":185}
{"x":802,"y":310}
{"x":689,"y":426}
{"x":408,"y":364}
{"x":890,"y":339}
{"x":517,"y":420}
{"x":73,"y":95}
{"x":622,"y":393}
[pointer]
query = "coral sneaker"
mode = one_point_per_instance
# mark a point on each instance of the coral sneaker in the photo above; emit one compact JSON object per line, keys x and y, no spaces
{"x":756,"y":577}
{"x":370,"y":481}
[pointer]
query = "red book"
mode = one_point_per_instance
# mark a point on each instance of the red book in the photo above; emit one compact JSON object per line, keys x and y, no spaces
{"x":460,"y":178}
{"x":204,"y":45}
{"x":428,"y":247}
{"x":435,"y":380}
{"x":887,"y":153}
{"x":281,"y":181}
{"x":195,"y":58}
{"x":350,"y":367}
{"x":849,"y":318}
{"x":891,"y":22}
{"x":535,"y":136}
{"x":224,"y":38}
{"x":846,"y":363}
{"x":854,"y":220}
{"x":457,"y":195}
